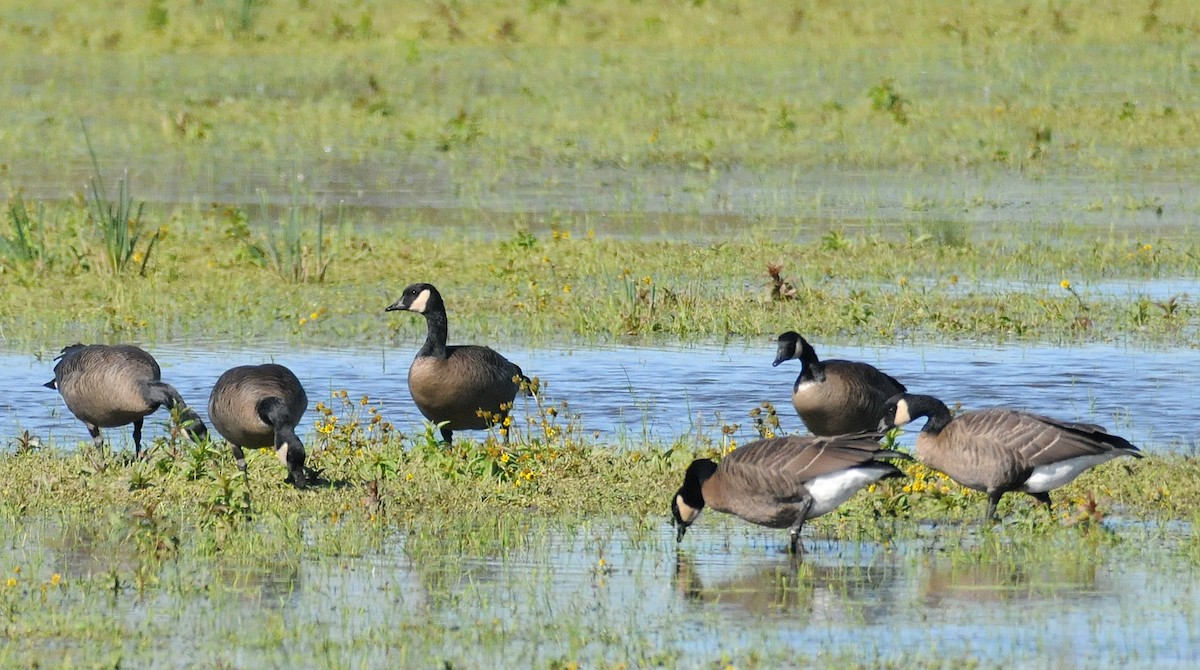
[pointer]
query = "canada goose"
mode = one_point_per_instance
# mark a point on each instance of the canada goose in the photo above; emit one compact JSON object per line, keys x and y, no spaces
{"x":107,"y":386}
{"x":455,"y":384}
{"x":255,"y":406}
{"x":782,"y":482}
{"x":835,"y":397}
{"x":999,"y":450}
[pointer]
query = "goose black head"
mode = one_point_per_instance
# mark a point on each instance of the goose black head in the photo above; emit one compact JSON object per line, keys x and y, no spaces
{"x":420,"y":298}
{"x":689,"y":500}
{"x":789,"y":344}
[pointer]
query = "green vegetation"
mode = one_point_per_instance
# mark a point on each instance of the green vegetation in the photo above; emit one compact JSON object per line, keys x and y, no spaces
{"x":317,"y":283}
{"x":553,"y":550}
{"x":1104,"y":86}
{"x":528,"y":549}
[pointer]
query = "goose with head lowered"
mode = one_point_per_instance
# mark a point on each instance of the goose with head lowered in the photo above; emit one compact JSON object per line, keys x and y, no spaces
{"x":998,"y":450}
{"x":835,"y":397}
{"x":254,"y":406}
{"x":108,"y":386}
{"x":464,"y":386}
{"x":782,"y":482}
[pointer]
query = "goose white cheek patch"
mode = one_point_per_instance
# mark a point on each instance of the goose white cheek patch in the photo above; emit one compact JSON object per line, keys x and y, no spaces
{"x":686,"y":511}
{"x":418,"y":304}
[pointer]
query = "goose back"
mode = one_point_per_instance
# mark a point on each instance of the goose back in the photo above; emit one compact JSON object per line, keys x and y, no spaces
{"x":236,"y":399}
{"x":105,"y":385}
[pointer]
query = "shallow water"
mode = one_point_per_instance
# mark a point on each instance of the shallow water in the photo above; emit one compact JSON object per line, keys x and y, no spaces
{"x":599,"y":595}
{"x":658,"y":394}
{"x":429,"y":196}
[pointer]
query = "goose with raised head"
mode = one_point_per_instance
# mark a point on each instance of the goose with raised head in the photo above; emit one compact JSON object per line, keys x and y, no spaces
{"x":782,"y":482}
{"x":255,"y":406}
{"x":106,"y":386}
{"x":465,"y":386}
{"x":998,"y":450}
{"x":835,"y":397}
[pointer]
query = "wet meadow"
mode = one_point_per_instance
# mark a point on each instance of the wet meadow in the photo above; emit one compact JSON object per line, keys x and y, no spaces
{"x":994,"y":202}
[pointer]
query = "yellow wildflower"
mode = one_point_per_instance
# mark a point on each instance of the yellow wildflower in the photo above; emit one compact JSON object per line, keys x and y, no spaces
{"x":1066,"y":284}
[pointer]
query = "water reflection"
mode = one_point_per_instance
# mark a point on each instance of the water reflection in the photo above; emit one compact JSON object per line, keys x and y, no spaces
{"x":947,"y":584}
{"x":550,"y":598}
{"x":790,"y":587}
{"x":662,"y":393}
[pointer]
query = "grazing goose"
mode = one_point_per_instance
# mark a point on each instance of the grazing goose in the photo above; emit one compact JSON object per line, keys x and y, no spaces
{"x":999,"y":450}
{"x":107,"y":386}
{"x":254,"y":406}
{"x":835,"y":397}
{"x":783,"y":481}
{"x":453,"y":384}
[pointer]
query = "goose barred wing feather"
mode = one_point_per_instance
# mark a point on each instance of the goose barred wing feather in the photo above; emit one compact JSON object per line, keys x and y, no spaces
{"x":869,"y":380}
{"x":494,"y":365}
{"x":126,"y":358}
{"x":1039,"y":440}
{"x":780,"y":466}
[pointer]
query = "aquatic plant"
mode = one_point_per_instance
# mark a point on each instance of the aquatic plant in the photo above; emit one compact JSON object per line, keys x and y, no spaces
{"x":27,"y":245}
{"x":120,"y":225}
{"x":297,"y":248}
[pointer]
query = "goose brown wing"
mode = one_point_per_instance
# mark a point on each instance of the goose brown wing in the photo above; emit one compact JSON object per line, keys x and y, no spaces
{"x":1040,"y":440}
{"x":869,"y":380}
{"x":780,"y":466}
{"x":481,"y":360}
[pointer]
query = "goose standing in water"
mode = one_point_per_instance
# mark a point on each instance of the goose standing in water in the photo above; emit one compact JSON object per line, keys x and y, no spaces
{"x":782,"y":482}
{"x":254,"y":406}
{"x":999,"y":450}
{"x":836,"y":397}
{"x":455,"y":384}
{"x":108,"y":386}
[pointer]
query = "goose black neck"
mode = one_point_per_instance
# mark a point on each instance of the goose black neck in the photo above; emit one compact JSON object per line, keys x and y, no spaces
{"x":435,"y":340}
{"x":938,"y":415}
{"x":811,"y":367}
{"x":697,"y":473}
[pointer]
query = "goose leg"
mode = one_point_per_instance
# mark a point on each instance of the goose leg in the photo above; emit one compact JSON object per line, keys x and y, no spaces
{"x":137,"y":438}
{"x":993,"y":501}
{"x":240,"y":457}
{"x":794,"y":531}
{"x":446,"y":433}
{"x":94,"y":431}
{"x":1044,"y":498}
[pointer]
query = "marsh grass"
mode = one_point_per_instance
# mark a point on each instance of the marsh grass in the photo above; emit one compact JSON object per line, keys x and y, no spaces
{"x":540,"y":570}
{"x":297,"y":248}
{"x":26,"y":247}
{"x":695,"y":87}
{"x":573,"y":285}
{"x":120,"y":225}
